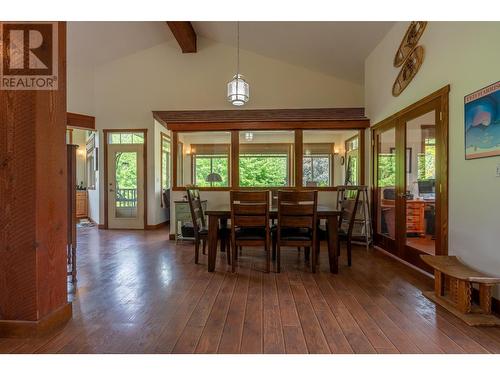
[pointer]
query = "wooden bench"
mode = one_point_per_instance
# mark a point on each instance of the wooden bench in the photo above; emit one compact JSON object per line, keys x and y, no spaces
{"x":453,"y":290}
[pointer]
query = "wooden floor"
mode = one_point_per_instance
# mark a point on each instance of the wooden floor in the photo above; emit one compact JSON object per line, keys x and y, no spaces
{"x":139,"y":293}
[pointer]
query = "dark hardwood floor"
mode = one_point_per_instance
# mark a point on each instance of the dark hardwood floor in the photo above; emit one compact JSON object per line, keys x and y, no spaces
{"x":140,"y":293}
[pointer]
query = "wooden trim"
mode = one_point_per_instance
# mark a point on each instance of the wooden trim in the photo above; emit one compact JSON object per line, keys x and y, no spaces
{"x":145,"y":163}
{"x":299,"y":157}
{"x":442,"y":92}
{"x":268,"y":125}
{"x":234,"y":164}
{"x":438,"y":101}
{"x":171,"y":237}
{"x":184,"y":34}
{"x":164,"y":224}
{"x":260,"y":115}
{"x":79,"y":121}
{"x":70,"y":135}
{"x":175,"y":146}
{"x":48,"y":324}
{"x":361,"y":153}
{"x":162,"y":137}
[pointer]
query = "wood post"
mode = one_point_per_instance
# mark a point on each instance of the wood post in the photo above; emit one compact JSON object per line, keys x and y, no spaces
{"x":33,"y":208}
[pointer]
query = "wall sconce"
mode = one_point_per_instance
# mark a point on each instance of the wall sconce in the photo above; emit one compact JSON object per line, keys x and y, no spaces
{"x":80,"y":153}
{"x":188,"y":150}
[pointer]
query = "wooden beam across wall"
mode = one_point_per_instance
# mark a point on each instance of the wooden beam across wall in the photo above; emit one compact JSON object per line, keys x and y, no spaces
{"x":77,"y":120}
{"x":260,"y":115}
{"x":184,"y":34}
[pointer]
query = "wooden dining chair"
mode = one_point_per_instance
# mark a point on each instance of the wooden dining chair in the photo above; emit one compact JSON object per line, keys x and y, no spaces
{"x":297,"y":223}
{"x":349,"y":208}
{"x":200,"y":228}
{"x":250,"y":223}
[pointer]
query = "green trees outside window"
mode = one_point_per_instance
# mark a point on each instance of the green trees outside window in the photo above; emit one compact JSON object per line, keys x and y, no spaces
{"x":263,"y":170}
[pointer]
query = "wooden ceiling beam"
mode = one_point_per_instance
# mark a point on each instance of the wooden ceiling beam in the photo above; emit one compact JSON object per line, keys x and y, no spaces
{"x":299,"y":114}
{"x":184,"y":34}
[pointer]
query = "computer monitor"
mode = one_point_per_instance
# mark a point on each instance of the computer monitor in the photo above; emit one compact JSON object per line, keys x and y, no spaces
{"x":426,"y":186}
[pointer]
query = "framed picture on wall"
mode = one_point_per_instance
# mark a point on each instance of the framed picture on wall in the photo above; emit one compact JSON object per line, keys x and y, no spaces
{"x":482,"y":122}
{"x":392,"y":150}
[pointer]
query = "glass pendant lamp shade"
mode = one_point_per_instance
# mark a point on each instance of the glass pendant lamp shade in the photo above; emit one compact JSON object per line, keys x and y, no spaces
{"x":238,"y":91}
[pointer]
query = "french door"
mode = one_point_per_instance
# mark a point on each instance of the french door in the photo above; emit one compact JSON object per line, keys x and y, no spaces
{"x":410,"y":182}
{"x":125,"y":186}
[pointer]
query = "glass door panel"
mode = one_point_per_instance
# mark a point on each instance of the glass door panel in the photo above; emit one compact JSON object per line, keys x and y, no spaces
{"x":385,"y":189}
{"x":126,"y":184}
{"x":420,"y":182}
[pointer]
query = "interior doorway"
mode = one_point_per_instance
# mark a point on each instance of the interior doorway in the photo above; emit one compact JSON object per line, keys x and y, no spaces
{"x":410,"y":174}
{"x":125,"y":179}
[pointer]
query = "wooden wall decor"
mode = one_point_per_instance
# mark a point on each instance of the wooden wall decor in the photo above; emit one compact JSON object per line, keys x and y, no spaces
{"x":409,"y":56}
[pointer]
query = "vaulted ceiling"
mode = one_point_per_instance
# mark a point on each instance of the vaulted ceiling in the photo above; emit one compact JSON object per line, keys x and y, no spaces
{"x":335,"y":48}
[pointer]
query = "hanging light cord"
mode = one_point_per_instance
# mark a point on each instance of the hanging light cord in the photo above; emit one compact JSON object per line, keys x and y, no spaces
{"x":238,"y":44}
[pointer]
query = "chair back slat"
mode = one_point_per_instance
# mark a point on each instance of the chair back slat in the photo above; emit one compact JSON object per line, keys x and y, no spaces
{"x":301,"y":221}
{"x":196,"y":208}
{"x":297,"y":209}
{"x":249,"y":209}
{"x":249,"y":221}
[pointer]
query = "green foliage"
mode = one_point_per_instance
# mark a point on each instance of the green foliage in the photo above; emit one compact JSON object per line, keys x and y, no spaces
{"x":126,"y":170}
{"x":211,"y":164}
{"x":427,"y":163}
{"x":386,"y":170}
{"x":263,"y":170}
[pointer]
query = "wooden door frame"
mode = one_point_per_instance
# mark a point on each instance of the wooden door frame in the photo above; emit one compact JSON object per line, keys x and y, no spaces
{"x":106,"y":132}
{"x":438,"y":100}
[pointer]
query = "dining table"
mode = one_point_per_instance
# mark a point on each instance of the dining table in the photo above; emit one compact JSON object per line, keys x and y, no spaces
{"x":218,"y":215}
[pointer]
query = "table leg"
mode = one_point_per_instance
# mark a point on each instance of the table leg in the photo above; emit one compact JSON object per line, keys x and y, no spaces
{"x":213,"y":228}
{"x":332,"y":243}
{"x":223,"y":226}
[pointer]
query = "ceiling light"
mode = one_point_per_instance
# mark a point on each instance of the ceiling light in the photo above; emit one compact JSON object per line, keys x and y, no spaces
{"x":238,"y":91}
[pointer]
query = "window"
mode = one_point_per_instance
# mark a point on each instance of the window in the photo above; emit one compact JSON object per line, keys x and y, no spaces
{"x":352,"y":161}
{"x":165,"y":162}
{"x":91,"y":162}
{"x":427,"y":158}
{"x":266,"y":158}
{"x":317,"y":164}
{"x":324,"y":162}
{"x":126,"y":138}
{"x":203,"y":159}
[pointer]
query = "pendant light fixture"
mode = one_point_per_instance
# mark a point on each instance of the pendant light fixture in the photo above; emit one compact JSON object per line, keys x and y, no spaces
{"x":238,"y":91}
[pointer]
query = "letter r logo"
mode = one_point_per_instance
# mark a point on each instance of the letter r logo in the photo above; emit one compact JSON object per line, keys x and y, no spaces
{"x":27,"y":49}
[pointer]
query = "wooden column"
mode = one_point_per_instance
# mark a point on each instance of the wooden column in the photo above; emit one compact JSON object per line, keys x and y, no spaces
{"x":299,"y":157}
{"x":33,"y":208}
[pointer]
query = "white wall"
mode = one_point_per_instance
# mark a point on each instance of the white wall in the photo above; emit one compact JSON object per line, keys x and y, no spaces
{"x":128,"y":89}
{"x":464,"y":55}
{"x":80,"y":139}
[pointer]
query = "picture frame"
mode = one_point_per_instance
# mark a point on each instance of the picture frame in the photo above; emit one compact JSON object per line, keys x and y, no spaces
{"x":482,"y":122}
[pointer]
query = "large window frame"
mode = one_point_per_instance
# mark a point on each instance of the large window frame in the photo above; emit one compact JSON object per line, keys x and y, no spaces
{"x":296,"y":165}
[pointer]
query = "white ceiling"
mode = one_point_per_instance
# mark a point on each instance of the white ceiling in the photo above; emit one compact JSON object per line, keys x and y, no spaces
{"x":335,"y":48}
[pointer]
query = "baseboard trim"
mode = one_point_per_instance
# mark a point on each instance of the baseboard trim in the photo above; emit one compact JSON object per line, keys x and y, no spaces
{"x":101,"y":226}
{"x":495,"y":303}
{"x":158,"y":226}
{"x":25,"y":328}
{"x":171,"y":237}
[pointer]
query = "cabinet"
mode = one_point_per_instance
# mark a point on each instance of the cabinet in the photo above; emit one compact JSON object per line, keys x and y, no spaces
{"x":183,"y":215}
{"x":415,"y":222}
{"x":81,"y":204}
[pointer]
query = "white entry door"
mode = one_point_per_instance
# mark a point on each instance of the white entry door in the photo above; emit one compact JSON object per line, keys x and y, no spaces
{"x":125,"y":186}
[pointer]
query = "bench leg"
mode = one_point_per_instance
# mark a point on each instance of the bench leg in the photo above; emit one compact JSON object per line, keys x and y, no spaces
{"x":485,"y":298}
{"x":464,"y":294}
{"x":438,"y":283}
